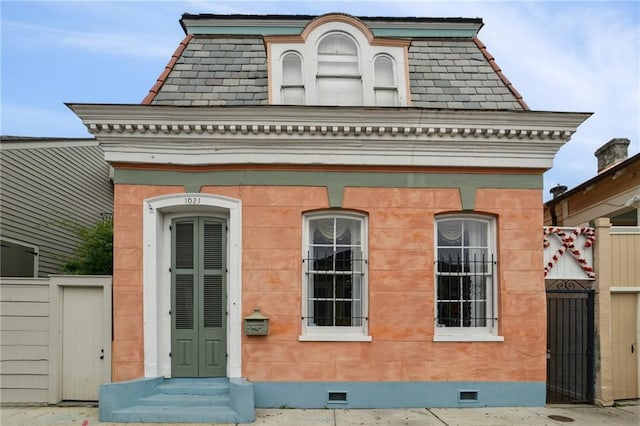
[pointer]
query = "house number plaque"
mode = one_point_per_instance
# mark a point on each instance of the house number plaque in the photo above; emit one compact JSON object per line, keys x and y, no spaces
{"x":192,"y":200}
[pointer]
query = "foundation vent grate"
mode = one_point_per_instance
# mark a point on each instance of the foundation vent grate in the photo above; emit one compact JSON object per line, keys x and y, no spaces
{"x":340,"y":397}
{"x":468,"y":396}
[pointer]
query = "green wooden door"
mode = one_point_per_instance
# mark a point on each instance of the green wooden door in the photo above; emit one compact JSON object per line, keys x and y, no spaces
{"x":198,"y":297}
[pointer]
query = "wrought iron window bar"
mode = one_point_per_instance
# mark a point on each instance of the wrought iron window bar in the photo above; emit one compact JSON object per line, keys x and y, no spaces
{"x":335,"y":266}
{"x":469,"y":282}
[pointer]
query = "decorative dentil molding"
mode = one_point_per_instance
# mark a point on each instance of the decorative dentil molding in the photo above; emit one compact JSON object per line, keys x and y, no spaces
{"x":328,"y":135}
{"x":322,"y":130}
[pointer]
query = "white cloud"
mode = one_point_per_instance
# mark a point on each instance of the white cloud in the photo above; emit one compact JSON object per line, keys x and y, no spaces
{"x":40,"y":121}
{"x":570,"y":57}
{"x":105,"y":43}
{"x":563,"y":55}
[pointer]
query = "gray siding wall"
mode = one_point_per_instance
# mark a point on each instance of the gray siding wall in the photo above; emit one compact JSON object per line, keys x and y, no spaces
{"x":24,"y":340}
{"x":46,"y":187}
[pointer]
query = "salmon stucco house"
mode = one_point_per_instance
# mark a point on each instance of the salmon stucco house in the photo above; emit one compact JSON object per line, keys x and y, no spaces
{"x":327,"y":211}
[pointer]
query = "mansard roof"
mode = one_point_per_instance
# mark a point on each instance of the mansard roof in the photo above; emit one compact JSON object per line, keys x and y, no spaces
{"x":223,"y":61}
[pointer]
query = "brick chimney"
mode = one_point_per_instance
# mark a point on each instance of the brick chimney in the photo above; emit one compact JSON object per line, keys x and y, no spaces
{"x":612,"y":153}
{"x":558,"y":190}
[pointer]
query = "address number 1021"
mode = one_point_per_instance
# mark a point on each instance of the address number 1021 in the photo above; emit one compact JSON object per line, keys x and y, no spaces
{"x":192,"y":200}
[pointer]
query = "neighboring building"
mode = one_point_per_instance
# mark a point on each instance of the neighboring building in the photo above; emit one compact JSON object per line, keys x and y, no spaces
{"x":48,"y":184}
{"x":373,"y":186}
{"x":53,"y":328}
{"x":613,"y":193}
{"x":610,"y":202}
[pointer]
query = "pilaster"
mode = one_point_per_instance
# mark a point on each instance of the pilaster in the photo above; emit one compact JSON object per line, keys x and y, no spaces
{"x":602,"y":263}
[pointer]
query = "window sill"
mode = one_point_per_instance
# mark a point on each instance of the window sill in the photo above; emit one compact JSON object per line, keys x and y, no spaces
{"x":467,"y":338}
{"x":334,"y":338}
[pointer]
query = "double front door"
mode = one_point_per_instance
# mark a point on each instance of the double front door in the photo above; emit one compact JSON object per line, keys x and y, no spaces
{"x":198,"y":297}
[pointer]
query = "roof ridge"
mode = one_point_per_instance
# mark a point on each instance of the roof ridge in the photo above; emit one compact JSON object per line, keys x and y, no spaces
{"x":294,"y":17}
{"x":167,"y":69}
{"x":494,"y":65}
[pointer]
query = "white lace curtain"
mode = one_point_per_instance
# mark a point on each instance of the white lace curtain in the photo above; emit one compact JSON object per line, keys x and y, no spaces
{"x":450,"y":231}
{"x":325,"y":227}
{"x":458,"y":233}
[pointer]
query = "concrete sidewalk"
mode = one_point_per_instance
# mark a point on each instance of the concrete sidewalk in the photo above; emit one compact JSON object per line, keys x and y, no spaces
{"x":623,"y":414}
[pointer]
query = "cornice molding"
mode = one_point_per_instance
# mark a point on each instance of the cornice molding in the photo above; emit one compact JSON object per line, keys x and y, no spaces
{"x":105,"y":115}
{"x":376,"y":136}
{"x":293,"y":25}
{"x":231,"y":130}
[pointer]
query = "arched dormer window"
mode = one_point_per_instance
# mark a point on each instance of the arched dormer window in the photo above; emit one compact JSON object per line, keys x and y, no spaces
{"x":386,"y":90}
{"x":292,"y":89}
{"x":338,"y":71}
{"x":340,"y":63}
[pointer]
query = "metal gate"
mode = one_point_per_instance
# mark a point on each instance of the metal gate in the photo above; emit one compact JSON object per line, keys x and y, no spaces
{"x":570,"y":341}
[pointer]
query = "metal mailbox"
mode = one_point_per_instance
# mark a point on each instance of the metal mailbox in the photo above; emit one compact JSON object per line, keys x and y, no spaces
{"x":256,"y":324}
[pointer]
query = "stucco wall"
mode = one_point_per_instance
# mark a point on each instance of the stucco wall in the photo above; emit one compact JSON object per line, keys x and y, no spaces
{"x":401,"y":295}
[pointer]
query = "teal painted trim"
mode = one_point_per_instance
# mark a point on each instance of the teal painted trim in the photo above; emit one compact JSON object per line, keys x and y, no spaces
{"x":399,"y":394}
{"x":431,"y":32}
{"x":259,"y":31}
{"x":468,"y":197}
{"x":335,"y":182}
{"x":335,"y":193}
{"x":192,"y":187}
{"x":378,"y":32}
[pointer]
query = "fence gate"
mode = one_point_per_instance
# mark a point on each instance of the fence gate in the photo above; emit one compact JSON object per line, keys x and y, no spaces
{"x":570,"y":341}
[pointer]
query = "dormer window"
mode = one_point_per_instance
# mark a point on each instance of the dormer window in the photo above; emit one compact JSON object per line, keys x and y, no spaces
{"x":338,"y":77}
{"x":385,"y":88}
{"x":292,"y":85}
{"x":337,"y":61}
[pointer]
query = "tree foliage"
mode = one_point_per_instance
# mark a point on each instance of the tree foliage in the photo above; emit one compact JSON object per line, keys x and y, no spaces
{"x":94,"y":255}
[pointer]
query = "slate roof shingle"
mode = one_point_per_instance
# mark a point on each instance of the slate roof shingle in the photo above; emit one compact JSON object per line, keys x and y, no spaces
{"x":216,"y":71}
{"x":443,"y":73}
{"x":455,"y":74}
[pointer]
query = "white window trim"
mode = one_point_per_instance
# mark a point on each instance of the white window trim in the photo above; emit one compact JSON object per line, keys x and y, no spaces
{"x":157,"y":215}
{"x":393,"y":88}
{"x":307,"y":49}
{"x":336,"y":334}
{"x":468,"y":334}
{"x":282,"y":85}
{"x":318,"y":337}
{"x":477,"y":337}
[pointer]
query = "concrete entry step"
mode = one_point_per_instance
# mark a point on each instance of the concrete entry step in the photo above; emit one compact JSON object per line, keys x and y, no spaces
{"x":179,"y":400}
{"x":175,"y":414}
{"x":194,"y":386}
{"x":190,"y":400}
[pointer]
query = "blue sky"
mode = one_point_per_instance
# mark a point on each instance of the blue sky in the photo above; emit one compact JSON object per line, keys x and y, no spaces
{"x":561,"y":56}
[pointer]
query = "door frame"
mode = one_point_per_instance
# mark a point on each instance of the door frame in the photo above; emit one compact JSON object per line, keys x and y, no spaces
{"x":157,"y":215}
{"x":57,"y":285}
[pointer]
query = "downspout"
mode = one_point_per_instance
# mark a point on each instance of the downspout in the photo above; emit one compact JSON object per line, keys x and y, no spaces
{"x":552,"y":212}
{"x":557,"y":191}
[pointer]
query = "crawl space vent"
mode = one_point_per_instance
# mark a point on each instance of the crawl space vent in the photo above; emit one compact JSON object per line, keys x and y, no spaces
{"x":340,"y":397}
{"x":468,"y":396}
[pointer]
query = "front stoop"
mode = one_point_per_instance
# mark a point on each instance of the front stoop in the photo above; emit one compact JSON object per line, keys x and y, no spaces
{"x":160,"y":400}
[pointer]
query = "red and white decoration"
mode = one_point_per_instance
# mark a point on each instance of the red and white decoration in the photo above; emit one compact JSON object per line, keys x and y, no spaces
{"x":568,"y":239}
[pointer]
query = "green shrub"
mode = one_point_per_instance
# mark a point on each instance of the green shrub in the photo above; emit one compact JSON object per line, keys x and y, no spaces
{"x":94,"y":255}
